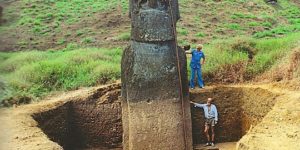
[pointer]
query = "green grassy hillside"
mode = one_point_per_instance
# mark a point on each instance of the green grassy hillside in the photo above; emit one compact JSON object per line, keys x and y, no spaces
{"x":71,"y":44}
{"x":32,"y":74}
{"x":44,"y":24}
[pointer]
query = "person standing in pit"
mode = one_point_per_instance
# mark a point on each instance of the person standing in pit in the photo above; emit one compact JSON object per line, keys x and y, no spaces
{"x":211,"y":119}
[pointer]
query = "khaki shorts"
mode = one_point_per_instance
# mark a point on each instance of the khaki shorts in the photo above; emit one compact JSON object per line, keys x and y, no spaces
{"x":210,"y":122}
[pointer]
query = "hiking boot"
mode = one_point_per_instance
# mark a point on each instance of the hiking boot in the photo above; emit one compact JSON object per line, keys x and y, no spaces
{"x":207,"y":144}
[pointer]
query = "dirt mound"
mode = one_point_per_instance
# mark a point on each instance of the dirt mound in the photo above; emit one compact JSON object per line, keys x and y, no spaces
{"x":286,"y":73}
{"x":228,"y":73}
{"x":279,"y":129}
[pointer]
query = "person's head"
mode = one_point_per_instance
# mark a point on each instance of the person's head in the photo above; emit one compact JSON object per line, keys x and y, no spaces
{"x":199,"y":47}
{"x":209,"y":101}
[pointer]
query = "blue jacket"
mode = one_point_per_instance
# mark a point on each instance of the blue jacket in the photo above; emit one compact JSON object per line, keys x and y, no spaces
{"x":196,"y":57}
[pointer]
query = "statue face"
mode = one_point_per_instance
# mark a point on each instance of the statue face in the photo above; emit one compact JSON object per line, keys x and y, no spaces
{"x":152,"y":20}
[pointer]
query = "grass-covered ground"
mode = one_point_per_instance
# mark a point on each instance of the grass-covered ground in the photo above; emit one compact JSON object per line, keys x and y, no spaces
{"x":44,"y":24}
{"x":33,"y":74}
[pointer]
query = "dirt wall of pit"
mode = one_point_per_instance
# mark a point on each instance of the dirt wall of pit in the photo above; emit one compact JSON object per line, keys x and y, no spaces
{"x":238,"y":109}
{"x":279,"y":129}
{"x":85,"y":123}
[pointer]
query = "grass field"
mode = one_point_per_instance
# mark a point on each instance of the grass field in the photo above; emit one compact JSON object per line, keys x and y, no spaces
{"x":37,"y":73}
{"x":44,"y":24}
{"x":34,"y":73}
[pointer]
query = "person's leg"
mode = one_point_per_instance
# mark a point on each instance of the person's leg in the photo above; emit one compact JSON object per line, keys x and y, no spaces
{"x":192,"y":78}
{"x":212,"y":135}
{"x":199,"y":76}
{"x":206,"y":131}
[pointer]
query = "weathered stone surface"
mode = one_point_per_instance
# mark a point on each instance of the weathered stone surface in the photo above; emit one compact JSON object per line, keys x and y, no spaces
{"x":152,"y":20}
{"x":135,"y":6}
{"x":155,"y":116}
{"x":153,"y":73}
{"x":152,"y":25}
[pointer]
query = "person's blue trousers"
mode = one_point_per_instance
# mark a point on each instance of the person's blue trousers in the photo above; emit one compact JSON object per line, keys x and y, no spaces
{"x":199,"y":74}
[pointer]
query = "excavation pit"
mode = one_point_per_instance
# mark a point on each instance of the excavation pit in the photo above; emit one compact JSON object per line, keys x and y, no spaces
{"x":95,"y":122}
{"x":239,"y":109}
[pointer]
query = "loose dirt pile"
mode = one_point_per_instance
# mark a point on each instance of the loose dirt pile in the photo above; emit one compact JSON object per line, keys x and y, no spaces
{"x":263,"y":116}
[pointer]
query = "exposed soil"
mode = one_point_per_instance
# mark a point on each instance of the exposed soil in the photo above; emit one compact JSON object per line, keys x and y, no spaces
{"x":91,"y":122}
{"x":91,"y":119}
{"x":238,"y":108}
{"x":65,"y":122}
{"x":296,"y":2}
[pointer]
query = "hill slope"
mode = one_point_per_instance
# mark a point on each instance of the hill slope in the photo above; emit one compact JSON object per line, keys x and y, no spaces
{"x":45,"y":24}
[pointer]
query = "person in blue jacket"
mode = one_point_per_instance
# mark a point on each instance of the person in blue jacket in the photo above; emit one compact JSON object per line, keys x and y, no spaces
{"x":211,"y":119}
{"x":197,"y":55}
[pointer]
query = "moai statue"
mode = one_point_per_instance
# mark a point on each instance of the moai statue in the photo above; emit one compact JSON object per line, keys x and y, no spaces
{"x":155,"y":102}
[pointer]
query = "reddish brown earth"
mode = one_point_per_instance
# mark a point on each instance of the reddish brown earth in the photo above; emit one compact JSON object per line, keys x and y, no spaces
{"x":263,"y":116}
{"x":238,"y":109}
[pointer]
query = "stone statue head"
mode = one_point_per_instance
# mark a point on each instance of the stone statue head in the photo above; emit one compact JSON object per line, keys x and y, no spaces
{"x":153,"y":20}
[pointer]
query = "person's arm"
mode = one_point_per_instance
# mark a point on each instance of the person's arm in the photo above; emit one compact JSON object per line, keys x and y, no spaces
{"x":203,"y":59}
{"x":188,"y":52}
{"x":197,"y":105}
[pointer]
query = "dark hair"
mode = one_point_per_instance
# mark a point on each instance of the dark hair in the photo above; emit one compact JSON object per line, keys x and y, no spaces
{"x":186,"y":47}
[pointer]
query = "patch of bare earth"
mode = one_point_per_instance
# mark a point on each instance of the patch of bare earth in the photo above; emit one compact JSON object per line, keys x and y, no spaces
{"x":296,"y":2}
